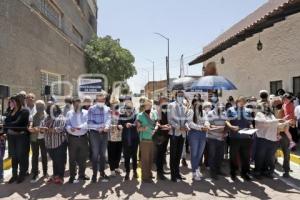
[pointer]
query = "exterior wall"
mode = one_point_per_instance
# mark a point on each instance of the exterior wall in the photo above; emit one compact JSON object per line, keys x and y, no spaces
{"x":30,"y":44}
{"x":252,"y":70}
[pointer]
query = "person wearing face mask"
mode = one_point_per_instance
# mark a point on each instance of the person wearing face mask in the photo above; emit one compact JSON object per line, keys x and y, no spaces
{"x":239,"y":118}
{"x":146,"y":126}
{"x":68,"y":105}
{"x":207,"y":107}
{"x":114,"y":146}
{"x":99,"y":121}
{"x":53,"y":128}
{"x":177,"y":118}
{"x":216,"y":135}
{"x":198,"y":124}
{"x":161,"y":137}
{"x":76,"y":126}
{"x":266,"y":141}
{"x":38,"y":141}
{"x":86,"y":102}
{"x":130,"y":139}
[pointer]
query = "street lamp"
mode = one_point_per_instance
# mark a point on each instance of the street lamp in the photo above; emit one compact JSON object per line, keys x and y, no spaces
{"x":153,"y":86}
{"x":167,"y":61}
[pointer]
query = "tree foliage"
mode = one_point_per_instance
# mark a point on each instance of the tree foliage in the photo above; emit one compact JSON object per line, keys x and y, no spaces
{"x":106,"y":56}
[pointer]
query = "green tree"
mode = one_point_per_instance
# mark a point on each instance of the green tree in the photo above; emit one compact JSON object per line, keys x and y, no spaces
{"x":105,"y":55}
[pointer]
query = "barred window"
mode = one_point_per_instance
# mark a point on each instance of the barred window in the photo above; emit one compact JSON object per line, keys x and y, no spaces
{"x":48,"y":78}
{"x":49,"y":10}
{"x":274,"y":86}
{"x":77,"y":35}
{"x":296,"y":85}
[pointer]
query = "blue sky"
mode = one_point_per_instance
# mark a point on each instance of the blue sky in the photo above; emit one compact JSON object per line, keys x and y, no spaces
{"x":190,"y":25}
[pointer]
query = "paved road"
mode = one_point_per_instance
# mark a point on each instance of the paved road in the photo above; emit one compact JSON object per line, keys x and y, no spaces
{"x":116,"y":188}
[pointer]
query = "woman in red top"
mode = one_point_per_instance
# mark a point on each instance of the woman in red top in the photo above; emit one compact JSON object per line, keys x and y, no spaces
{"x":288,"y":109}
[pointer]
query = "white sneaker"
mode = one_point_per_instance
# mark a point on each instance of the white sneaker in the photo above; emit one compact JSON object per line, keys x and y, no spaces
{"x":112,"y":173}
{"x":34,"y":179}
{"x":196,"y":177}
{"x":292,"y":145}
{"x":198,"y":173}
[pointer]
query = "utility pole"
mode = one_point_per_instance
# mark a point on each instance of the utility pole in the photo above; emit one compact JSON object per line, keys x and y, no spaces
{"x":153,"y":85}
{"x":181,"y":67}
{"x":167,"y":63}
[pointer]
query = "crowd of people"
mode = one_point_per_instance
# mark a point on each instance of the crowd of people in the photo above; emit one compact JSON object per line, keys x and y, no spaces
{"x":250,"y":130}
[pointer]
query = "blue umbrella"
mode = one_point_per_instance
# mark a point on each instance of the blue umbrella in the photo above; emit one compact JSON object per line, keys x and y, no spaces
{"x":183,"y":83}
{"x":213,"y":83}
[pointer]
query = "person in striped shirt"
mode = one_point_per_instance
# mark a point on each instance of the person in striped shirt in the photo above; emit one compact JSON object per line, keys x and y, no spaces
{"x":53,"y":128}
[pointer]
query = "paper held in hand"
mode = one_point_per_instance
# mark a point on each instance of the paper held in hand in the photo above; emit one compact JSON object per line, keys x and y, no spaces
{"x":248,"y":131}
{"x":219,"y":128}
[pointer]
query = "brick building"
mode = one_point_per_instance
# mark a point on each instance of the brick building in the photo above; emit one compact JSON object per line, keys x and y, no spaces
{"x":42,"y":42}
{"x":160,"y":88}
{"x":261,"y":51}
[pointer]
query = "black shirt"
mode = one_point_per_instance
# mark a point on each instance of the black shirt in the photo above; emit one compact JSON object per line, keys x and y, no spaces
{"x":17,"y":122}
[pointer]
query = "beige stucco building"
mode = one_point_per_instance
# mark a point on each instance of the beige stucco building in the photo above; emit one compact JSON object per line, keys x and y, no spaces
{"x":238,"y":56}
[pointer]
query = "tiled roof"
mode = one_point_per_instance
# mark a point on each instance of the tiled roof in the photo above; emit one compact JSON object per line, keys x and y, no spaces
{"x":259,"y":16}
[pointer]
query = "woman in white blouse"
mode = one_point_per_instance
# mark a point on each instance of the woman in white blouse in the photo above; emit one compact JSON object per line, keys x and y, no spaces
{"x":198,"y":126}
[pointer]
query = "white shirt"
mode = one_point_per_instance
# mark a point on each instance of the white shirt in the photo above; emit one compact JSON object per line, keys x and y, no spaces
{"x":297,"y":112}
{"x":177,"y":117}
{"x":32,"y":112}
{"x":267,"y":126}
{"x":77,"y":120}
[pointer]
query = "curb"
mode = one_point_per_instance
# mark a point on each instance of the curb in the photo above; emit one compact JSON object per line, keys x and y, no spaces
{"x":293,"y":158}
{"x":6,"y":164}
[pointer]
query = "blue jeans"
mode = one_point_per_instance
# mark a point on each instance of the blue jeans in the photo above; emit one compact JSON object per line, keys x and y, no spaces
{"x":197,"y":141}
{"x":2,"y":151}
{"x":98,"y":142}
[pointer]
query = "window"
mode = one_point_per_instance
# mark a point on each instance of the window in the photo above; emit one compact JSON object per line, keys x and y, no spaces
{"x":49,"y":10}
{"x":48,"y":78}
{"x":274,"y":86}
{"x":296,"y":85}
{"x":78,"y":36}
{"x":93,"y":21}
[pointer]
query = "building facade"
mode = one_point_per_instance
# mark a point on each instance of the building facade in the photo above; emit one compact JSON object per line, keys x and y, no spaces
{"x":160,"y":89}
{"x":42,"y":43}
{"x":261,"y":51}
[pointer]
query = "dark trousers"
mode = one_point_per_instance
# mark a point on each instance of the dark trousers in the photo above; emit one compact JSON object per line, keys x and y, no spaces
{"x":98,"y":142}
{"x":59,"y":157}
{"x":284,"y":144}
{"x":215,"y":155}
{"x":114,"y":150}
{"x":240,"y":147}
{"x":130,"y":152}
{"x":176,"y":145}
{"x":160,"y":158}
{"x":18,"y":148}
{"x":78,"y":154}
{"x":27,"y":158}
{"x":294,"y":133}
{"x":264,"y":156}
{"x":36,"y":147}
